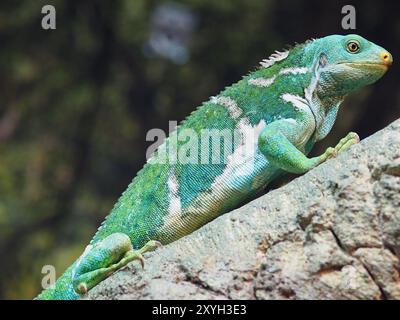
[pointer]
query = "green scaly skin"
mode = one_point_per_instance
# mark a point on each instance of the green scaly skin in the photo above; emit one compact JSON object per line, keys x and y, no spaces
{"x":286,"y":105}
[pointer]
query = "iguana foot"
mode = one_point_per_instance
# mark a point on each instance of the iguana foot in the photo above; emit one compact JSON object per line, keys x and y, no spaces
{"x":328,"y":154}
{"x":104,"y":258}
{"x":352,"y":138}
{"x":137,"y":254}
{"x":345,"y":143}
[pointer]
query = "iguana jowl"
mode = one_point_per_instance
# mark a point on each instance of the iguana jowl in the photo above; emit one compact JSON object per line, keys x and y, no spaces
{"x":288,"y":104}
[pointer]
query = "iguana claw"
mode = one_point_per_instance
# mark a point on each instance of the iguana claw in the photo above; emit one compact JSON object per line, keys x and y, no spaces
{"x":352,"y":138}
{"x":105,"y":257}
{"x":149,"y":246}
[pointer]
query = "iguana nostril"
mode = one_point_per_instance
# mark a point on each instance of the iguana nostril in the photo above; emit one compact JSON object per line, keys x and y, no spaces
{"x":386,"y":57}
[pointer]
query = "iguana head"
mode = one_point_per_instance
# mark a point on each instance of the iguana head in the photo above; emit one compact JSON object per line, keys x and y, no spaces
{"x":346,"y":63}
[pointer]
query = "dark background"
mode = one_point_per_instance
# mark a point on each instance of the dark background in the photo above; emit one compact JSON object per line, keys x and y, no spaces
{"x":77,"y":102}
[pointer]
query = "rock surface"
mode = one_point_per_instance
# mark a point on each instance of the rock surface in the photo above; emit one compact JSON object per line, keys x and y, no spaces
{"x":333,"y":233}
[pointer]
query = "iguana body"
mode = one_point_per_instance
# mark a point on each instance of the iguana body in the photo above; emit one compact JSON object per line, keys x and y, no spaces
{"x":277,"y":114}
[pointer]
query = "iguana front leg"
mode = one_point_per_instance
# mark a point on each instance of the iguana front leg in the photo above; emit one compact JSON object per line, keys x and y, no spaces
{"x":104,"y":258}
{"x":276,"y":143}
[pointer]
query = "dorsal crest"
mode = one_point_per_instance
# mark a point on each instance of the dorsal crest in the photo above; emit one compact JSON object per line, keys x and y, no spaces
{"x":275,"y":57}
{"x":281,"y":55}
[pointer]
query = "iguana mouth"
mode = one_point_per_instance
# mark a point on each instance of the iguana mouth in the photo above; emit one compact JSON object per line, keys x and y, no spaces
{"x":366,"y":64}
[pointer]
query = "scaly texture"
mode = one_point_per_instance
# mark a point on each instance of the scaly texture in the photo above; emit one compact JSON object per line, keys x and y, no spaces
{"x":333,"y":233}
{"x":266,"y":124}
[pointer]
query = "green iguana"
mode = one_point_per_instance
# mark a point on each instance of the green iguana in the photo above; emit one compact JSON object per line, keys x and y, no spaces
{"x":277,"y":113}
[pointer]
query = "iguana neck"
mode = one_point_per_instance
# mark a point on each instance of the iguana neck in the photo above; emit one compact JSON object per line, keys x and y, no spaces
{"x":324,"y":109}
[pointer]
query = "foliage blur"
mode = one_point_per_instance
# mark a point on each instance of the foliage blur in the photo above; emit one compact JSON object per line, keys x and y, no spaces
{"x":77,"y":102}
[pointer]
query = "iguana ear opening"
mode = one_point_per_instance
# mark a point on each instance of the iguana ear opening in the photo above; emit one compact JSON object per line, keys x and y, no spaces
{"x":323,"y":60}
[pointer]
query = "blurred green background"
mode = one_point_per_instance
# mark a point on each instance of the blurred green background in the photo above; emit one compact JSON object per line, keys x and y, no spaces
{"x":77,"y":102}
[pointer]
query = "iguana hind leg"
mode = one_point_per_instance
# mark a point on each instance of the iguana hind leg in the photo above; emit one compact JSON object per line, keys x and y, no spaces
{"x":104,"y":258}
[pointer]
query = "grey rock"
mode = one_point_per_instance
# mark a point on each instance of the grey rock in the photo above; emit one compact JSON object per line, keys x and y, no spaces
{"x":333,"y":233}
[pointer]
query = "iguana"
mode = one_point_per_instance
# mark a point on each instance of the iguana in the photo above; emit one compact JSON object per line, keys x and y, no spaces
{"x":277,"y":112}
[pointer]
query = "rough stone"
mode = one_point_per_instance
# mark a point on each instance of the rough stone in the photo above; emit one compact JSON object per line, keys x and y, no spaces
{"x":333,"y":233}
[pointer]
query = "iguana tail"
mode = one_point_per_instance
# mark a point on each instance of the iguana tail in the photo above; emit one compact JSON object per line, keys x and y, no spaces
{"x":63,"y":289}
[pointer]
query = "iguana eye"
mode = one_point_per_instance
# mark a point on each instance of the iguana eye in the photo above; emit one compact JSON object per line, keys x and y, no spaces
{"x":353,"y":46}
